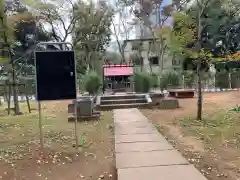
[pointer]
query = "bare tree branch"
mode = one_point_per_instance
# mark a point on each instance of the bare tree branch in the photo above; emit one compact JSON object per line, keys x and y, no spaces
{"x":120,"y":48}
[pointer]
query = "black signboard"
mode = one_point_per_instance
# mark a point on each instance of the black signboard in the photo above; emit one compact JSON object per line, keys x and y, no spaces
{"x":55,"y":75}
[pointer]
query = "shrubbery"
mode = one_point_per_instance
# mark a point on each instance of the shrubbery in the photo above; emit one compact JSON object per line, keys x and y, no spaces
{"x":142,"y":82}
{"x":154,"y":80}
{"x":222,"y":80}
{"x":189,"y":78}
{"x":169,"y":78}
{"x":92,"y":82}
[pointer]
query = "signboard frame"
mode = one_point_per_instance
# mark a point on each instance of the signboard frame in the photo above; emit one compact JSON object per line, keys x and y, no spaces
{"x":66,"y":48}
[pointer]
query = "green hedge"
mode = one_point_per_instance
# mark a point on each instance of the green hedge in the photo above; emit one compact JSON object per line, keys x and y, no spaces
{"x":92,"y":82}
{"x":142,"y":82}
{"x":189,"y":78}
{"x":222,"y":80}
{"x":154,"y":80}
{"x":169,"y":78}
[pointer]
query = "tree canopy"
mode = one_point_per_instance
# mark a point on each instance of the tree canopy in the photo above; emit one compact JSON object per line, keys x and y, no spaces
{"x":220,"y":33}
{"x":91,"y":35}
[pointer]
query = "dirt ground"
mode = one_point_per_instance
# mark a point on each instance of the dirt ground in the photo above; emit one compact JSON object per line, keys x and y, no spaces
{"x":212,"y":145}
{"x":21,"y":158}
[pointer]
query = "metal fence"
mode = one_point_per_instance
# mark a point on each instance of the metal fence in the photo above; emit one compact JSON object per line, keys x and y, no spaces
{"x":218,"y":80}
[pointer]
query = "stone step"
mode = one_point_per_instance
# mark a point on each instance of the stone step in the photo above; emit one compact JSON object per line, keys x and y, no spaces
{"x":123,"y":96}
{"x":123,"y":101}
{"x":123,"y":106}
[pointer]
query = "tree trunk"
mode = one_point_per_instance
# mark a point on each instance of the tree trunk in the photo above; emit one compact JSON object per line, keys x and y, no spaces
{"x":5,"y":38}
{"x":149,"y":62}
{"x":150,"y":65}
{"x":141,"y":66}
{"x":199,"y":83}
{"x":9,"y":98}
{"x":120,"y":47}
{"x":89,"y":60}
{"x":141,"y":61}
{"x":15,"y":96}
{"x":161,"y":59}
{"x":161,"y":56}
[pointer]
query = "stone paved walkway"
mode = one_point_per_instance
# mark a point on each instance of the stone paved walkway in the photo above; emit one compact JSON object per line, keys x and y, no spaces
{"x":142,"y":153}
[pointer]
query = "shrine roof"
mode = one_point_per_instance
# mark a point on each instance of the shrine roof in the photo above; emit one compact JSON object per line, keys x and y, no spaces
{"x":118,"y":70}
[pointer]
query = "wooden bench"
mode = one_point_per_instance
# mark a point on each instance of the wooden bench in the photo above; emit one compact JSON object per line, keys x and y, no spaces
{"x":181,"y":93}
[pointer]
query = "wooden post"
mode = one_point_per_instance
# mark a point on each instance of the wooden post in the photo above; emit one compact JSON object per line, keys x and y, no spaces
{"x":5,"y":92}
{"x":28,"y":104}
{"x":230,"y":80}
{"x":27,"y":98}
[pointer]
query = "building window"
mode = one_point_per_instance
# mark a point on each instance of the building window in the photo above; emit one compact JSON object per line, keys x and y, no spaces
{"x":137,"y":45}
{"x":175,"y":62}
{"x":154,"y":60}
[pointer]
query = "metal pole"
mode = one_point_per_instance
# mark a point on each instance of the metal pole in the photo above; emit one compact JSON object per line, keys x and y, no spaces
{"x":75,"y":125}
{"x":40,"y":124}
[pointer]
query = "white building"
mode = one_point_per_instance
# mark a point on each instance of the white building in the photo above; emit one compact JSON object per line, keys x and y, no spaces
{"x":151,"y":61}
